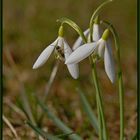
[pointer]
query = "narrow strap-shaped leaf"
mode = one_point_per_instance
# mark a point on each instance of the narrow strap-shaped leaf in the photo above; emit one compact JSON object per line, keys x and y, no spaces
{"x":42,"y":133}
{"x":61,"y":125}
{"x":87,"y":108}
{"x":26,"y":105}
{"x":64,"y":136}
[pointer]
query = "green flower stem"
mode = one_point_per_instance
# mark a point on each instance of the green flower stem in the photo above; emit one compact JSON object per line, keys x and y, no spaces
{"x":96,"y":12}
{"x":100,"y":120}
{"x":61,"y":31}
{"x":120,"y":80}
{"x":99,"y":99}
{"x":121,"y":98}
{"x":74,"y":26}
{"x":121,"y":95}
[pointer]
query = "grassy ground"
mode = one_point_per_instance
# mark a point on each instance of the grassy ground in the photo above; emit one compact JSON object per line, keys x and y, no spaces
{"x":28,"y":27}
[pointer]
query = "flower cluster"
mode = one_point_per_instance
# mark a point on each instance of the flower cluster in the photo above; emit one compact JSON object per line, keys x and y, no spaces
{"x":99,"y":46}
{"x":62,"y":51}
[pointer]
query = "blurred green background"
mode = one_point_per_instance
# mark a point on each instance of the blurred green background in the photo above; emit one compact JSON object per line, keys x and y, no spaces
{"x":29,"y":26}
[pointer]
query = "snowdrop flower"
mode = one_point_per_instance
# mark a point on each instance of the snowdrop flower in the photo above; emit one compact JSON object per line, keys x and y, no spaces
{"x":101,"y":48}
{"x":95,"y":36}
{"x":62,"y":50}
{"x":79,"y":41}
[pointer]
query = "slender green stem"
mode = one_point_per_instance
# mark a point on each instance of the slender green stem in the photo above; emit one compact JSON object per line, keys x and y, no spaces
{"x":121,"y":96}
{"x":120,"y":80}
{"x":101,"y":117}
{"x":74,"y":26}
{"x":96,"y":12}
{"x":100,"y":120}
{"x":99,"y":99}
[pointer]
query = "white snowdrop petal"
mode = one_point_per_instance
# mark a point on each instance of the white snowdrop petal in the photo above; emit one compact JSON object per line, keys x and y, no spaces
{"x":44,"y":55}
{"x":96,"y":32}
{"x":67,"y":50}
{"x":72,"y":68}
{"x":60,"y":41}
{"x":79,"y":41}
{"x":109,"y":63}
{"x":101,"y":48}
{"x":81,"y":53}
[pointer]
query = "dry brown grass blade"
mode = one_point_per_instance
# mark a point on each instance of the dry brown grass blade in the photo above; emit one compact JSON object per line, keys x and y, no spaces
{"x":52,"y":77}
{"x":21,"y":84}
{"x":11,"y":127}
{"x":14,"y":108}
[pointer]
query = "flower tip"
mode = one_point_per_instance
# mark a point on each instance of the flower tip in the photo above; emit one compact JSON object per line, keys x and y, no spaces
{"x":67,"y":62}
{"x":34,"y":67}
{"x":112,"y":80}
{"x":75,"y":77}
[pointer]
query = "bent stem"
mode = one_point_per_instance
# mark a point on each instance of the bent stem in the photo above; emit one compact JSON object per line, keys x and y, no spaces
{"x":99,"y":102}
{"x":96,"y":12}
{"x":74,"y":26}
{"x":120,"y":79}
{"x":121,"y":95}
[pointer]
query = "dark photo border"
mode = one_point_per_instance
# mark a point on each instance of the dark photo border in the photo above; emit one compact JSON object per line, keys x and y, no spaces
{"x":1,"y":85}
{"x":138,"y":69}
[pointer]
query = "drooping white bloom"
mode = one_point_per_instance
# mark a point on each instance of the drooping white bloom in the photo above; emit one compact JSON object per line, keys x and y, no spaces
{"x":81,"y":53}
{"x":104,"y":51}
{"x":96,"y":32}
{"x":79,"y":41}
{"x":95,"y":36}
{"x":102,"y":48}
{"x":61,"y":47}
{"x":109,"y":62}
{"x":43,"y":57}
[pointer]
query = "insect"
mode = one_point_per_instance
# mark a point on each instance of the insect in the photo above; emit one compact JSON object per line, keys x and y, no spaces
{"x":60,"y":53}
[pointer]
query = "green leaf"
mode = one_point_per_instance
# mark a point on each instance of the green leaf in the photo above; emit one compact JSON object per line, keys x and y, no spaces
{"x":42,"y":133}
{"x":87,"y":108}
{"x":26,"y":105}
{"x":61,"y":125}
{"x":64,"y":136}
